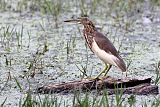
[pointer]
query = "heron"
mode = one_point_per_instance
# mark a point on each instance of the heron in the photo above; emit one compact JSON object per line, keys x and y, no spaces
{"x":100,"y":45}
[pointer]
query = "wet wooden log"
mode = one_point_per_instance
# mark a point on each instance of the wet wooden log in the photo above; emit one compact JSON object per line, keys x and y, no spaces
{"x":140,"y":86}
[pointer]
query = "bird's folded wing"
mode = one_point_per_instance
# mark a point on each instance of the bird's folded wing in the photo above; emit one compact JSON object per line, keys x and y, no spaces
{"x":105,"y":44}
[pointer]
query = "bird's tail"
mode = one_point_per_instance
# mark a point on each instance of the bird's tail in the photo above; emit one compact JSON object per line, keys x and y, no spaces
{"x":120,"y":64}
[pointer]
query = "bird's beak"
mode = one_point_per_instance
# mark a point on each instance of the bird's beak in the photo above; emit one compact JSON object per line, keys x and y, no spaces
{"x":74,"y":21}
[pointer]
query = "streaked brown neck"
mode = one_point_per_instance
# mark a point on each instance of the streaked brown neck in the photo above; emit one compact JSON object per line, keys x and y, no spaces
{"x":90,"y":28}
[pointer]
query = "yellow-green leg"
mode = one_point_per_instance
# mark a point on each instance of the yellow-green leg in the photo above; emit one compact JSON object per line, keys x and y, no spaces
{"x":106,"y":69}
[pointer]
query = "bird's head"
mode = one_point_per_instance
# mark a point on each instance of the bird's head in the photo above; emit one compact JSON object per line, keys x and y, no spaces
{"x":83,"y":20}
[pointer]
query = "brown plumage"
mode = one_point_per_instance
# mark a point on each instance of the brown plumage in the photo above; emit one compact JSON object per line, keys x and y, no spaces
{"x":105,"y":44}
{"x":100,"y":45}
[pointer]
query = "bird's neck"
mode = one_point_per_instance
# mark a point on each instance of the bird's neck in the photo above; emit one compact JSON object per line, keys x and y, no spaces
{"x":89,"y":29}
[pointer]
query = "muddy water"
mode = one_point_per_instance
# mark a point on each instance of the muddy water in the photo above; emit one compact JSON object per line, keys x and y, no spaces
{"x":66,"y":49}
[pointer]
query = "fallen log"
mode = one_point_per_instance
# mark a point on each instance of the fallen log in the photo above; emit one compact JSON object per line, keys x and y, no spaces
{"x":140,"y":86}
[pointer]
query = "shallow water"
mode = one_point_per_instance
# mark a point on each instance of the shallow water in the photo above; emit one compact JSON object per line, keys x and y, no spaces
{"x":67,"y":50}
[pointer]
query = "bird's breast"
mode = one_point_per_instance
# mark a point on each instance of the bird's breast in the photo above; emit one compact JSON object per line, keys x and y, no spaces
{"x":89,"y":40}
{"x":104,"y":56}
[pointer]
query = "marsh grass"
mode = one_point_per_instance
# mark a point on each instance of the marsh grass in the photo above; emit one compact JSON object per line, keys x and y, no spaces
{"x":54,"y":8}
{"x":156,"y":102}
{"x":82,"y":100}
{"x":71,"y":45}
{"x":94,"y":5}
{"x":36,"y":101}
{"x":10,"y":35}
{"x":157,"y":71}
{"x":3,"y":5}
{"x":78,"y":99}
{"x":18,"y":83}
{"x":83,"y":8}
{"x":29,"y":38}
{"x":22,"y":5}
{"x":122,"y":13}
{"x":8,"y":61}
{"x":155,"y":2}
{"x":19,"y":35}
{"x":88,"y":9}
{"x":2,"y":105}
{"x":6,"y":37}
{"x":131,"y":100}
{"x":84,"y":68}
{"x":6,"y":82}
{"x":36,"y":63}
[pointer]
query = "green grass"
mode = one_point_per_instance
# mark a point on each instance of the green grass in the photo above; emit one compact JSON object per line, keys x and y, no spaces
{"x":54,"y":8}
{"x":83,"y":100}
{"x":79,"y":99}
{"x":157,"y":71}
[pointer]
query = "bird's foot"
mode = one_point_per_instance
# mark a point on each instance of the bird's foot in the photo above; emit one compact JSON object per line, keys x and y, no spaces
{"x":91,"y":78}
{"x":95,"y":78}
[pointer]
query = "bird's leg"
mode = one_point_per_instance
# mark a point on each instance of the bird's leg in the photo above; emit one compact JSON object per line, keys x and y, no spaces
{"x":108,"y":68}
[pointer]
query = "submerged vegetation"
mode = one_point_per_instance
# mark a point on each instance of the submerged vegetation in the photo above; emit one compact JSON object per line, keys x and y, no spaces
{"x":38,"y":48}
